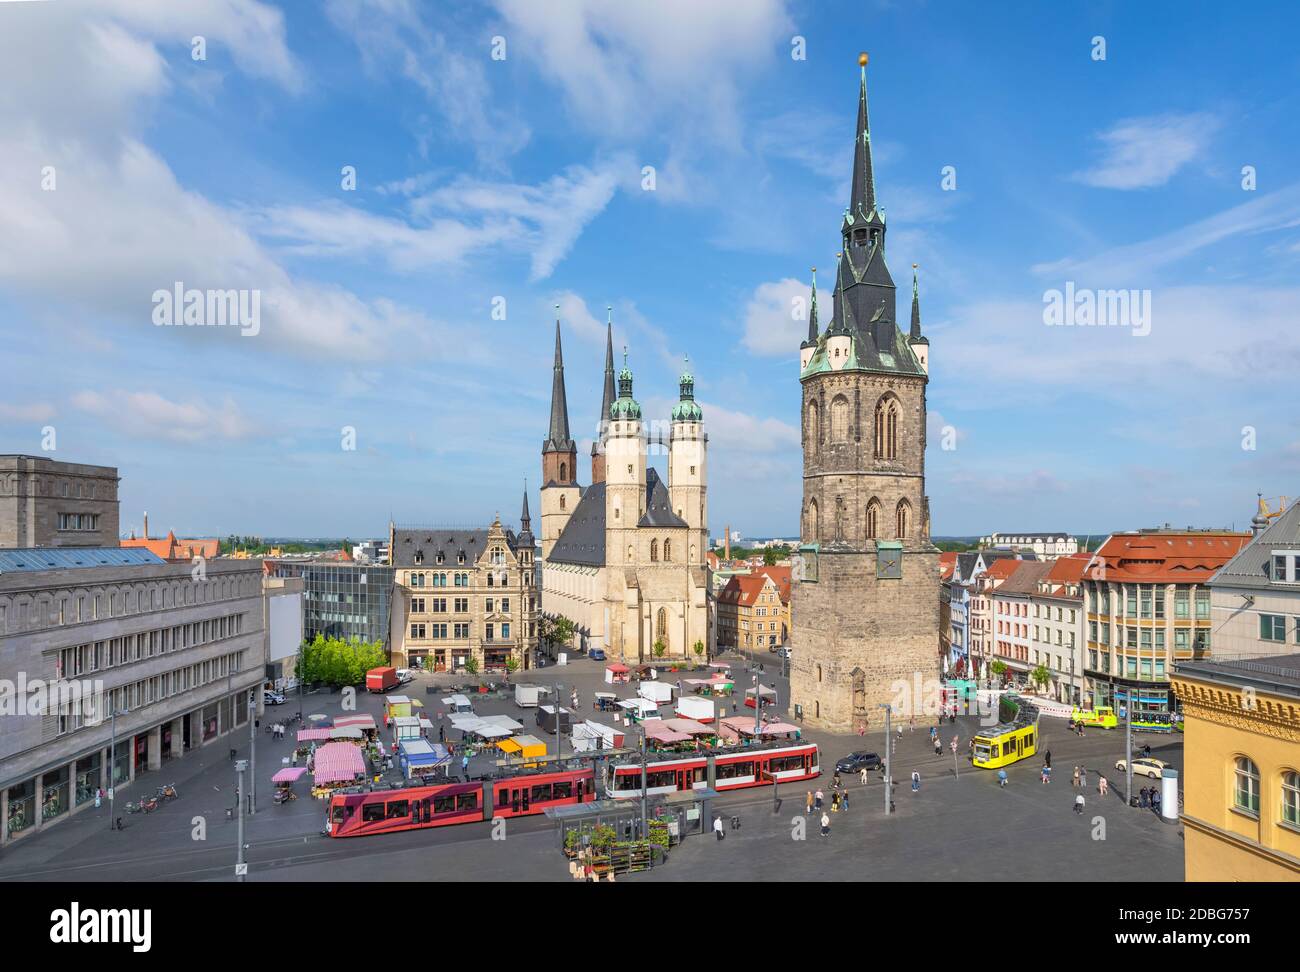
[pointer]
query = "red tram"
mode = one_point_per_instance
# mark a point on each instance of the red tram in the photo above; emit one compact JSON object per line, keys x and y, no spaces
{"x":732,"y":770}
{"x":358,"y":812}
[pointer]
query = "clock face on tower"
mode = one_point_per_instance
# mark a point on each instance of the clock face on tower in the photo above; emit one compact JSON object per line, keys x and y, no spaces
{"x":889,"y":560}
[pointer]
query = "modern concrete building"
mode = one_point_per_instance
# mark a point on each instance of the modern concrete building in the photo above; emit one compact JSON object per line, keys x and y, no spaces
{"x":175,"y":652}
{"x":1255,"y":596}
{"x":342,"y":599}
{"x":48,"y":503}
{"x":1241,"y":775}
{"x":1045,"y":545}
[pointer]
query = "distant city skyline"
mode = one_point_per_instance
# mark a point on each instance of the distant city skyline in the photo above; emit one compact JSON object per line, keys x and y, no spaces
{"x":407,"y":209}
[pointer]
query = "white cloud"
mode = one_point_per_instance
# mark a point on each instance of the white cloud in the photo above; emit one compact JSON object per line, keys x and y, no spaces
{"x":736,"y":431}
{"x":31,"y":412}
{"x":1140,"y":153}
{"x":627,"y":68}
{"x":776,"y":317}
{"x":149,"y":415}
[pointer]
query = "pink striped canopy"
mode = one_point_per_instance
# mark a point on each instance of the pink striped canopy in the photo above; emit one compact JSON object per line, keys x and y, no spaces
{"x":339,"y":762}
{"x":288,"y":774}
{"x":313,"y":735}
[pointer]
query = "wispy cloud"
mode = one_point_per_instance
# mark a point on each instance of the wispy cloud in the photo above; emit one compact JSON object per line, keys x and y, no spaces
{"x":776,"y":316}
{"x":1141,"y":153}
{"x":148,"y":415}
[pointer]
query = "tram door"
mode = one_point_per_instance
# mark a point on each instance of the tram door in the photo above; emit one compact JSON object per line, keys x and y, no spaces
{"x":519,"y":800}
{"x":685,"y":777}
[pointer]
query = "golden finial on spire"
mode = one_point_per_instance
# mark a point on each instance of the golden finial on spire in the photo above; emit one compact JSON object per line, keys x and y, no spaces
{"x":814,"y":269}
{"x":915,"y":265}
{"x":862,"y":59}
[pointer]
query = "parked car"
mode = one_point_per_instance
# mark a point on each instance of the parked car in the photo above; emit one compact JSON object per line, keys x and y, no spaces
{"x":596,"y":654}
{"x":857,"y":762}
{"x":783,"y":651}
{"x":272,"y":698}
{"x":1143,"y":766}
{"x":405,"y":675}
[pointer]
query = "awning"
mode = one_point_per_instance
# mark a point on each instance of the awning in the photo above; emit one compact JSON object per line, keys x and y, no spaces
{"x":656,"y":730}
{"x":345,"y":732}
{"x":688,"y":726}
{"x":289,"y":774}
{"x":313,"y":735}
{"x":408,"y":722}
{"x":338,"y":763}
{"x":617,"y":669}
{"x":355,"y":722}
{"x":724,"y":665}
{"x":745,"y":727}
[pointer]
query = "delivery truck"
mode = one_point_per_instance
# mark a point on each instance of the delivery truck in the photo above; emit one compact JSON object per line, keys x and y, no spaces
{"x":696,"y":707}
{"x":554,"y":718}
{"x":655,"y":692}
{"x":529,"y":696}
{"x":381,"y":679}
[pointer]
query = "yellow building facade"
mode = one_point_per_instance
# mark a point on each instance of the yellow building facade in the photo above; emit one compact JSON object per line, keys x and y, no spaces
{"x":1241,"y":778}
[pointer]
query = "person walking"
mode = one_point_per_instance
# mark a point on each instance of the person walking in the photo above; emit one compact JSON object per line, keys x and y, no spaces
{"x":1074,"y":781}
{"x":1103,"y":785}
{"x":835,"y":801}
{"x":1083,"y":778}
{"x":809,"y":803}
{"x":718,"y":829}
{"x":862,"y":777}
{"x":844,"y":801}
{"x":817,"y":803}
{"x":1047,"y":759}
{"x":911,"y":724}
{"x":916,"y":781}
{"x":835,"y":780}
{"x":938,"y":746}
{"x":826,"y":825}
{"x":1078,"y":803}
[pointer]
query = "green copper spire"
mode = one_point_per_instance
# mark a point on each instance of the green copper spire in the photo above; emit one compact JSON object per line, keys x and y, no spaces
{"x":687,"y":409}
{"x":625,"y":407}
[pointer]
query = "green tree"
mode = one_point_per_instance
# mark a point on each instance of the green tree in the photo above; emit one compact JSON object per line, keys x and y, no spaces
{"x":563,"y":631}
{"x":471,"y":665}
{"x":512,"y":665}
{"x":660,"y":648}
{"x":1040,"y":676}
{"x":998,"y":667}
{"x":334,"y":661}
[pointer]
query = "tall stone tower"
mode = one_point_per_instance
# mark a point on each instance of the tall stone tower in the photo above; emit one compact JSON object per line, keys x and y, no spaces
{"x":688,"y":475}
{"x":602,"y":424}
{"x":560,"y":493}
{"x":625,"y":455}
{"x":866,"y":604}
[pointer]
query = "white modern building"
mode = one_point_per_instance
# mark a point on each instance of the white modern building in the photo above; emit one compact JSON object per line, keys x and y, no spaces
{"x":1042,"y":544}
{"x":1255,"y":596}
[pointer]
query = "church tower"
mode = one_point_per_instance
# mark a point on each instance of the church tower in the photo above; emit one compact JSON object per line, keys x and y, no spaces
{"x":560,"y":493}
{"x":866,"y":602}
{"x":602,"y":425}
{"x":625,"y":456}
{"x":687,"y":467}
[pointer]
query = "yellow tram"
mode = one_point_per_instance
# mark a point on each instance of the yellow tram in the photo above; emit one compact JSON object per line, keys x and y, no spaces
{"x":1005,"y":743}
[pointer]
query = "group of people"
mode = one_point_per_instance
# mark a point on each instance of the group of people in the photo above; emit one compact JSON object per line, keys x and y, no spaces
{"x":1149,"y":798}
{"x":278,"y":730}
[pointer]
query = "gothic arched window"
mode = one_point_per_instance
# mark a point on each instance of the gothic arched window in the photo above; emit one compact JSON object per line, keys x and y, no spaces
{"x":903,"y":519}
{"x":654,"y":550}
{"x":873,"y":520}
{"x":564,"y":472}
{"x":839,"y":419}
{"x":887,"y":414}
{"x":811,"y":532}
{"x":562,"y":502}
{"x":814,"y":428}
{"x":668,"y":551}
{"x":661,"y":627}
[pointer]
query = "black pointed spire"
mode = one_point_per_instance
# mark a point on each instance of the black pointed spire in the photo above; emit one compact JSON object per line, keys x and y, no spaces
{"x":557,"y":439}
{"x":916,"y":309}
{"x":610,"y":392}
{"x":862,"y":202}
{"x":812,"y":314}
{"x":525,"y":523}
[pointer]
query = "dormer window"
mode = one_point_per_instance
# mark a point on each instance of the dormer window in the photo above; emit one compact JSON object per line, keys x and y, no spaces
{"x":419,"y":556}
{"x":1286,"y":567}
{"x":460,"y":557}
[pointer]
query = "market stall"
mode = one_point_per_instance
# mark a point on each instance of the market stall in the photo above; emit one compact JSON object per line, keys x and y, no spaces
{"x":284,"y":780}
{"x":420,"y":759}
{"x":364,"y":723}
{"x":697,"y":708}
{"x":766,"y":693}
{"x":313,"y":735}
{"x":404,"y":727}
{"x":590,"y":736}
{"x":398,"y":706}
{"x":554,"y":718}
{"x":336,"y":764}
{"x":736,"y":728}
{"x":615,"y":673}
{"x":350,"y":733}
{"x":522,"y":749}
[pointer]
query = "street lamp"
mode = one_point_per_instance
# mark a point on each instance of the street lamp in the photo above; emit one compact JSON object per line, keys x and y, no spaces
{"x":888,"y":759}
{"x":112,"y":766}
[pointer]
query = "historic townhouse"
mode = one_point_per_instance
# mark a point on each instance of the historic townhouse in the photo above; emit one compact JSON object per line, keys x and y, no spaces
{"x":1058,"y":632}
{"x":462,"y":594}
{"x":754,"y":610}
{"x":1255,"y":596}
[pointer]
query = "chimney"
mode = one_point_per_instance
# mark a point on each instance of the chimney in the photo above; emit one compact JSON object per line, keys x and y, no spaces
{"x":146,"y":524}
{"x":726,"y":543}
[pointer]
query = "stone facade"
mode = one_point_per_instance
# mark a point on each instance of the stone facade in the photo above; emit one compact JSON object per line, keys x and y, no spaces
{"x":46,"y":503}
{"x":865,"y":602}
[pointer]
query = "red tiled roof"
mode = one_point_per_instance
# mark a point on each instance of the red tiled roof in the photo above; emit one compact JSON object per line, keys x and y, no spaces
{"x":170,"y":548}
{"x":946,"y":570}
{"x":1068,"y":570}
{"x":1004,"y":568}
{"x":948,"y":557}
{"x":1171,"y":558}
{"x":745,"y":588}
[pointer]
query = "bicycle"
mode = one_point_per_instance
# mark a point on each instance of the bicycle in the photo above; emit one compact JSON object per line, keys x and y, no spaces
{"x":167,"y":792}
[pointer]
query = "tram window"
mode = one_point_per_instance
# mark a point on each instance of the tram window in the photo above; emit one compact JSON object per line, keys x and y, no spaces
{"x":562,"y":790}
{"x":661,"y":778}
{"x":1009,"y":748}
{"x":627,"y":781}
{"x":1029,"y":739}
{"x":444,"y":804}
{"x":503,"y":796}
{"x":541,"y":792}
{"x":466,"y":801}
{"x":341,"y":812}
{"x":727,"y":771}
{"x":783,"y":764}
{"x":399,"y":808}
{"x":372,"y":812}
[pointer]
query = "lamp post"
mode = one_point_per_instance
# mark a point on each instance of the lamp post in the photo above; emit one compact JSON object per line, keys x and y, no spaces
{"x":112,"y":766}
{"x":252,"y":752}
{"x":240,"y":766}
{"x":888,"y":768}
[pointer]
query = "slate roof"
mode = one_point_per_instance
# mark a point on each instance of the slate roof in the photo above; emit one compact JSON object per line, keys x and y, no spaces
{"x":1023,"y":578}
{"x":582,"y":541}
{"x":407,"y":542}
{"x":1251,"y":566}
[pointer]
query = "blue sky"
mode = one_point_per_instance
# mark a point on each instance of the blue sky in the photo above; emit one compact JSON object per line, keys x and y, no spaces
{"x":522,"y":179}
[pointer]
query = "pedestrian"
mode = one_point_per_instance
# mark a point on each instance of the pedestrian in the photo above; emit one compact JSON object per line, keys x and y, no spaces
{"x":1143,"y":800}
{"x":1044,"y":774}
{"x":1155,"y":799}
{"x":442,"y":733}
{"x":938,"y":746}
{"x":835,"y":802}
{"x":817,"y":804}
{"x":99,"y":796}
{"x":844,"y":801}
{"x":1103,"y":785}
{"x":809,"y":803}
{"x":911,"y":724}
{"x":862,"y":777}
{"x":1083,"y":778}
{"x":900,"y":730}
{"x":826,"y":825}
{"x":718,"y":829}
{"x":1047,"y":759}
{"x":835,"y":780}
{"x":1078,"y":803}
{"x":916,"y":781}
{"x":1075,"y":780}
{"x":464,"y":765}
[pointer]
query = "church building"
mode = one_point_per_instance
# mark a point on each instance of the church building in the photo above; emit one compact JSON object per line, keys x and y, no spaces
{"x":624,"y":557}
{"x":865,"y":601}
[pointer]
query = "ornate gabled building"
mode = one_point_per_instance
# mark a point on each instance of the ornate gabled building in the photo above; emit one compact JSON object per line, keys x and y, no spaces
{"x":866,"y":605}
{"x":624,"y":558}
